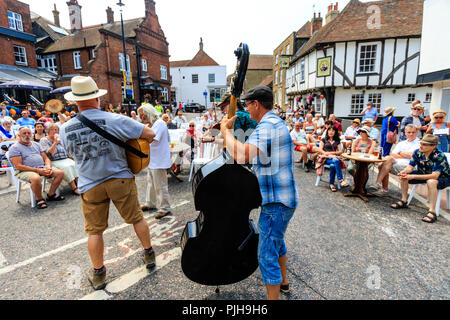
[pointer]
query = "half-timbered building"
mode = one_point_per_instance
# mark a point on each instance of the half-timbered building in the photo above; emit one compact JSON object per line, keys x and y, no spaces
{"x":370,"y":52}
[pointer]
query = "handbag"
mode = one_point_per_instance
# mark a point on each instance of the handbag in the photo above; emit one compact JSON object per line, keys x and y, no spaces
{"x":137,"y":160}
{"x":391,"y":135}
{"x":343,"y":165}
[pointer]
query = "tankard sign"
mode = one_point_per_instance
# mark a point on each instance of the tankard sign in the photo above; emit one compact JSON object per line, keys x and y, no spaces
{"x":324,"y":67}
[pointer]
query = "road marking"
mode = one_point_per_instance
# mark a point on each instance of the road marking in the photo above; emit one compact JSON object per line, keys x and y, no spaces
{"x":3,"y":261}
{"x":133,"y":277}
{"x":71,"y":245}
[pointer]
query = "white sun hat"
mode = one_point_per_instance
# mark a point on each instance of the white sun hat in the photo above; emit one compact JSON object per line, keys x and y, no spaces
{"x":84,"y":88}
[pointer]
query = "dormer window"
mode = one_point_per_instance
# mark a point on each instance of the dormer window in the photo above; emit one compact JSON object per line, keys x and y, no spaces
{"x":15,"y":21}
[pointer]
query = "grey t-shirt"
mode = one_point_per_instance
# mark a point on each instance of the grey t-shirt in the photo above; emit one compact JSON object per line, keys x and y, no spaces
{"x":31,"y":155}
{"x":96,"y":158}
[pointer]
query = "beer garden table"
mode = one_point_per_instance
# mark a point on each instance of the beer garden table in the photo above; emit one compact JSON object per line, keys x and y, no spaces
{"x":361,"y":176}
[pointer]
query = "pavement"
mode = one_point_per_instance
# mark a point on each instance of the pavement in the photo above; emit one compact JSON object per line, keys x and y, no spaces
{"x":338,"y":248}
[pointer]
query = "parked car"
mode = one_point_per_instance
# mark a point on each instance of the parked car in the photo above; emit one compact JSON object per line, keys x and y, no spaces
{"x":194,"y":107}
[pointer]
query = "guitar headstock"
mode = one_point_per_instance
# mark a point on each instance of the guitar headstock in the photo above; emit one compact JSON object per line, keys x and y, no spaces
{"x":242,"y":53}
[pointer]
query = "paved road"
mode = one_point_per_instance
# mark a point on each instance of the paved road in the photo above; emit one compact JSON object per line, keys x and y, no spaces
{"x":339,"y":248}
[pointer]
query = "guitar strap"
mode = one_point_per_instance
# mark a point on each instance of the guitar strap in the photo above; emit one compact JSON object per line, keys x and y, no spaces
{"x":110,"y":137}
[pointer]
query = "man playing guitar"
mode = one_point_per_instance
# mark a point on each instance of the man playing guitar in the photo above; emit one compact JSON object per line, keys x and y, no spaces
{"x":103,"y":172}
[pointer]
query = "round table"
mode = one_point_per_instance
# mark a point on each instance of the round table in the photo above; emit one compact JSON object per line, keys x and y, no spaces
{"x":178,"y":148}
{"x":361,"y":175}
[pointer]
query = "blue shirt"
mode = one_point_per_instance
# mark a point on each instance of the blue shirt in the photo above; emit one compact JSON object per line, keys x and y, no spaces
{"x":436,"y":162}
{"x":26,"y":122}
{"x":274,"y":166}
{"x":372,"y":114}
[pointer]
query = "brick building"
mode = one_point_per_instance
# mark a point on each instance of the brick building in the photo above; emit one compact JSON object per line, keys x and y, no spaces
{"x":259,"y":68}
{"x":97,"y":51}
{"x":283,"y":54}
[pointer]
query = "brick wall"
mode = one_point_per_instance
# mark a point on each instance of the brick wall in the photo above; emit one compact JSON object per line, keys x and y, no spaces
{"x":7,"y":43}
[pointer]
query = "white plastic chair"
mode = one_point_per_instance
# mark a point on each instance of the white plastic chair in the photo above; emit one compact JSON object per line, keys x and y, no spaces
{"x":202,"y":157}
{"x":18,"y":184}
{"x":438,"y":201}
{"x":9,"y":170}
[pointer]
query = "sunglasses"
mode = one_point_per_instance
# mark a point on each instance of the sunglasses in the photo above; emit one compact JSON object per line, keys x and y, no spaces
{"x":191,"y":126}
{"x":439,"y":117}
{"x":426,"y":145}
{"x":417,"y":109}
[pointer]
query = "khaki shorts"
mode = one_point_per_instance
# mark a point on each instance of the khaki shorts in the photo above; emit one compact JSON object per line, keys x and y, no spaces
{"x":95,"y":204}
{"x":26,"y":175}
{"x":398,"y":167}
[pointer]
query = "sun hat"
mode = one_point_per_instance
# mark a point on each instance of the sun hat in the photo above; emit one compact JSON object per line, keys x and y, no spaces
{"x":439,"y":111}
{"x":430,"y":139}
{"x":54,"y":106}
{"x":357,"y":121}
{"x":366,"y":129}
{"x":368,"y":120}
{"x":84,"y":88}
{"x":389,"y":111}
{"x":418,"y":105}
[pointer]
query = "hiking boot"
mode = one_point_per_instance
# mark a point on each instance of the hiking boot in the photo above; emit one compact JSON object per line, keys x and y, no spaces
{"x":284,"y":288}
{"x":98,"y":280}
{"x":149,"y":259}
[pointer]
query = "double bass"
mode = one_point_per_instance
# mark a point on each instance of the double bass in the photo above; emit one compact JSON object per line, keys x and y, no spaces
{"x":220,"y":246}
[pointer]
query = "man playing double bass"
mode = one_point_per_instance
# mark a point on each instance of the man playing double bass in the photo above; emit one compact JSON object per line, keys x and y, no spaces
{"x":103,"y":173}
{"x":269,"y":149}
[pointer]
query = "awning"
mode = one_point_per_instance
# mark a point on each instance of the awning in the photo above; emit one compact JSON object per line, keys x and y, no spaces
{"x":152,"y":85}
{"x":41,"y":77}
{"x":61,"y":90}
{"x":22,"y":84}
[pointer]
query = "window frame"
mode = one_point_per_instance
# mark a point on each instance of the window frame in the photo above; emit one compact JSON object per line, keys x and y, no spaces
{"x":213,"y":78}
{"x":375,"y":103}
{"x":195,"y":76}
{"x":144,"y":65}
{"x":163,"y":71}
{"x":20,"y":54}
{"x":376,"y":66}
{"x":17,"y":21}
{"x":428,"y":100}
{"x":411,"y":96}
{"x":361,"y":102}
{"x":122,"y":62}
{"x":77,"y":64}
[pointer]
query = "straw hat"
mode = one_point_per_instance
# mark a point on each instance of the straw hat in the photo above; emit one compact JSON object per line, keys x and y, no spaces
{"x":84,"y":88}
{"x":368,"y":120}
{"x":418,"y":105}
{"x":357,"y":121}
{"x":366,"y":129}
{"x":54,"y":106}
{"x":439,"y":111}
{"x":389,"y":111}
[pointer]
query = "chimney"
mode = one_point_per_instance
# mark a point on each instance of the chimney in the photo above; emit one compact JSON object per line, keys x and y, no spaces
{"x":150,"y":7}
{"x":56,"y":17}
{"x":109,"y":16}
{"x":75,"y":15}
{"x":316,"y":23}
{"x":333,"y":12}
{"x":201,"y":44}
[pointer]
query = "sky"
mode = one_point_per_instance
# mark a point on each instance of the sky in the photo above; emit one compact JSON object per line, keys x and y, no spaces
{"x":223,"y":24}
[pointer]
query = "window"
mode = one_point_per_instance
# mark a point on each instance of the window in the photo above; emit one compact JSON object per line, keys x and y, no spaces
{"x":212,"y":78}
{"x":357,"y":105}
{"x":276,"y":77}
{"x":428,"y":97}
{"x":317,"y":104}
{"x":195,"y":78}
{"x":375,"y":98}
{"x":77,"y":60}
{"x":215,"y":95}
{"x":302,"y":71}
{"x":15,"y":21}
{"x":20,"y":53}
{"x":163,"y":72}
{"x":165,"y":95}
{"x":276,"y":59}
{"x":93,"y":53}
{"x":144,"y":65}
{"x":288,"y":49}
{"x":122,"y":62}
{"x":368,"y":58}
{"x":47,"y":62}
{"x":411,"y":97}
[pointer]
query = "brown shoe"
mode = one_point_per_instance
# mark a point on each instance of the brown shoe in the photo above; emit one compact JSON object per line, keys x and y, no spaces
{"x":98,"y":280}
{"x":160,"y":215}
{"x":149,"y":259}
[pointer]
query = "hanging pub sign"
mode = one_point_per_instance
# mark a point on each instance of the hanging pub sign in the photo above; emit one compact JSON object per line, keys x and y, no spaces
{"x":324,"y":67}
{"x":285,"y":61}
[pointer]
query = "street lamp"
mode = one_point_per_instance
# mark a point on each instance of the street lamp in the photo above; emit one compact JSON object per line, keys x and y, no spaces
{"x":120,"y":4}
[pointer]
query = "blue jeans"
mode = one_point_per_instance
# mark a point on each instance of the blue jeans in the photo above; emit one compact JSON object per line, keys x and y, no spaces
{"x":273,"y":222}
{"x":335,"y":168}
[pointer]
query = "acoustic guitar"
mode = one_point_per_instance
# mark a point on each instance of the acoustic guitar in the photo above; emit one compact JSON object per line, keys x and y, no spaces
{"x":135,"y":162}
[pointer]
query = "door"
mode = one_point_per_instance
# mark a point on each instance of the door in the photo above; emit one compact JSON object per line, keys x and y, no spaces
{"x":445,"y":100}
